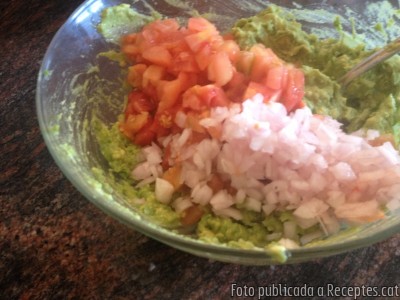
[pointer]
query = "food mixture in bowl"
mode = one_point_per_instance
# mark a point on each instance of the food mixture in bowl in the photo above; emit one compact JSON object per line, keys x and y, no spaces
{"x":245,"y":137}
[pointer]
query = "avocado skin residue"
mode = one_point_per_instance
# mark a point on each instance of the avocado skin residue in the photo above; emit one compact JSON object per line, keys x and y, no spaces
{"x":371,"y":101}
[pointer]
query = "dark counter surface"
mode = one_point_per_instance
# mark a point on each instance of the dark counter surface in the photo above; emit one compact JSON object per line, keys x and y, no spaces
{"x":54,"y":244}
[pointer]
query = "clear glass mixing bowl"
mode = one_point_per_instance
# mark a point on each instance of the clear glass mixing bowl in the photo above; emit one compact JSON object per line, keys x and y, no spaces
{"x":72,"y":73}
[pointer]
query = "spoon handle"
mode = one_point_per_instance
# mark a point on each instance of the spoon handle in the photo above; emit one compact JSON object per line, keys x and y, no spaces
{"x":386,"y":52}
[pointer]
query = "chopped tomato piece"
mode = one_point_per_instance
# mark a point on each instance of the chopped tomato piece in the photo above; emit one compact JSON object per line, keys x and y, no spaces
{"x":220,"y":69}
{"x":294,"y":91}
{"x":173,"y":176}
{"x":158,"y":55}
{"x":193,"y":121}
{"x":200,"y":98}
{"x":166,"y":25}
{"x":164,"y":122}
{"x":216,"y":183}
{"x":236,"y":88}
{"x":198,"y":136}
{"x":131,"y":51}
{"x":215,"y":131}
{"x":231,"y":48}
{"x":135,"y":75}
{"x":152,"y":75}
{"x":166,"y":156}
{"x":197,"y":40}
{"x":257,"y":88}
{"x":201,"y":25}
{"x":203,"y":57}
{"x":170,"y":91}
{"x":276,"y":77}
{"x":138,"y":102}
{"x":264,"y":59}
{"x":156,"y":32}
{"x":134,"y":124}
{"x":129,"y":39}
{"x":145,"y":136}
{"x":185,"y":62}
{"x":192,"y":215}
{"x":244,"y":62}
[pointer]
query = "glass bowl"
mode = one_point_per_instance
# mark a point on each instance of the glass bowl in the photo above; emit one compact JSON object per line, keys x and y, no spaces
{"x":75,"y":85}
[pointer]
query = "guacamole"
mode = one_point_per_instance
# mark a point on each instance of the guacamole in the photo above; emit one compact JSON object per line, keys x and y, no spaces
{"x":372,"y":101}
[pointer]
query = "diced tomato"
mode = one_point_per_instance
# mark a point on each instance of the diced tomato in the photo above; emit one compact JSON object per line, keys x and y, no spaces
{"x":166,"y":157}
{"x":193,"y":121}
{"x":231,"y":48}
{"x":294,"y":91}
{"x":131,"y":51}
{"x":200,"y":98}
{"x":264,"y":59}
{"x":158,"y":55}
{"x":244,"y":62}
{"x":197,"y":137}
{"x":236,"y":88}
{"x":257,"y":88}
{"x":216,"y":96}
{"x":192,"y":99}
{"x":156,"y":32}
{"x":192,"y":215}
{"x":228,"y":36}
{"x":129,"y":39}
{"x":175,"y":43}
{"x":220,"y":70}
{"x":150,"y":35}
{"x":135,"y":75}
{"x":166,"y":26}
{"x":173,"y":176}
{"x":185,"y":62}
{"x":215,"y":131}
{"x":203,"y":57}
{"x":197,"y":40}
{"x":145,"y":136}
{"x":142,"y":45}
{"x":276,"y":77}
{"x":216,"y":183}
{"x":170,"y":91}
{"x":134,"y":124}
{"x":164,"y":122}
{"x":138,"y":102}
{"x":201,"y":25}
{"x":267,"y":53}
{"x":152,"y":75}
{"x":300,"y":104}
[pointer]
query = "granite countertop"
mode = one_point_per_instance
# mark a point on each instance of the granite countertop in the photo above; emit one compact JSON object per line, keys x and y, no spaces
{"x":54,"y":244}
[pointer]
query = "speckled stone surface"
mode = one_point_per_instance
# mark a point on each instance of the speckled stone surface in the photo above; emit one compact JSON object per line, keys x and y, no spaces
{"x":54,"y":244}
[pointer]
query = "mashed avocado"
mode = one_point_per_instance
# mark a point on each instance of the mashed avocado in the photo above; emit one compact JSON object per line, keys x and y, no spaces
{"x":121,"y":156}
{"x":119,"y":20}
{"x":372,"y":101}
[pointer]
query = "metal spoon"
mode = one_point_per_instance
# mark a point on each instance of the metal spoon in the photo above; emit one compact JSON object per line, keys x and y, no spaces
{"x":386,"y":52}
